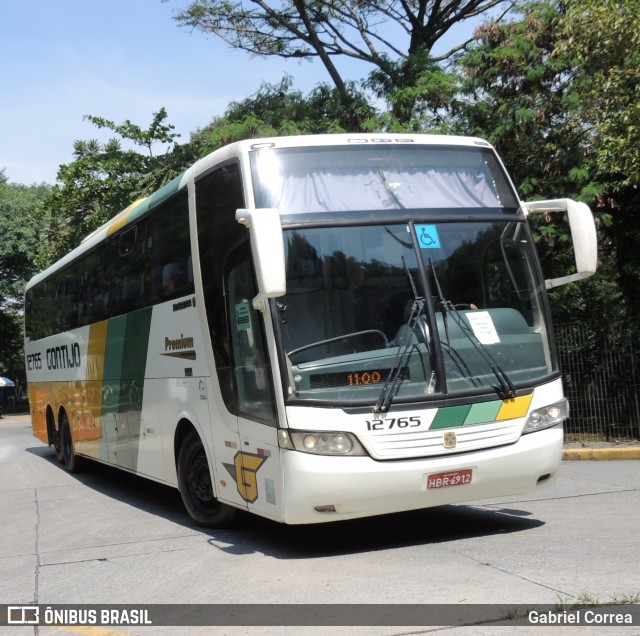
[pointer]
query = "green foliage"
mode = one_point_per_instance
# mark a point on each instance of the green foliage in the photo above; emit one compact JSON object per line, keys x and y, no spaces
{"x":519,"y":96}
{"x":103,"y":179}
{"x":602,"y":40}
{"x":602,"y":37}
{"x":525,"y":92}
{"x":20,"y":240}
{"x":278,"y":109}
{"x":423,"y":102}
{"x":19,"y":237}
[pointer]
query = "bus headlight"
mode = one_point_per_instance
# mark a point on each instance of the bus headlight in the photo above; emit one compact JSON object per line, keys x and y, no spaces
{"x":325,"y":443}
{"x":547,"y":416}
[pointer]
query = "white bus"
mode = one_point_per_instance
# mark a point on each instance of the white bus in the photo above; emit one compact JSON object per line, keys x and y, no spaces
{"x":311,"y":329}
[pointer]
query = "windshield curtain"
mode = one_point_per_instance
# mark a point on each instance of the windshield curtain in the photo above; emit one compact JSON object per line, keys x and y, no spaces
{"x":351,"y":178}
{"x":356,"y":310}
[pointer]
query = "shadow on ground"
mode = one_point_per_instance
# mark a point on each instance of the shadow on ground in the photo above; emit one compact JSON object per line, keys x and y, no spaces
{"x":250,"y":533}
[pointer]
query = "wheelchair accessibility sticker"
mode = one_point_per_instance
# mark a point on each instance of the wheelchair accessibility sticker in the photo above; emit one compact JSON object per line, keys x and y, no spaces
{"x":428,"y":236}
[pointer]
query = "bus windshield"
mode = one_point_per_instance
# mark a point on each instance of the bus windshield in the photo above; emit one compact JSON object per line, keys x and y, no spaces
{"x":438,"y":307}
{"x":369,"y":178}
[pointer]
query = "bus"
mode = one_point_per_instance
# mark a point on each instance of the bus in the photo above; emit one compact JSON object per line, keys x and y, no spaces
{"x":311,"y":328}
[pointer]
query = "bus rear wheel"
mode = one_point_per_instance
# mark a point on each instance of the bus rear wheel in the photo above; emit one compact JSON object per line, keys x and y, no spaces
{"x":57,"y":445}
{"x":196,"y":489}
{"x":71,"y":460}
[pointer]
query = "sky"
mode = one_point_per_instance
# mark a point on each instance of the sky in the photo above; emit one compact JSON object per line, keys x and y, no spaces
{"x":117,"y":59}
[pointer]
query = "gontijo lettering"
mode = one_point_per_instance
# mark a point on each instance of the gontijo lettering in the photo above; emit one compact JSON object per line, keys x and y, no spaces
{"x":63,"y":357}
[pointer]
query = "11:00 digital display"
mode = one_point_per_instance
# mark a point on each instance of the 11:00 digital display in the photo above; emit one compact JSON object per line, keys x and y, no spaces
{"x":353,"y":378}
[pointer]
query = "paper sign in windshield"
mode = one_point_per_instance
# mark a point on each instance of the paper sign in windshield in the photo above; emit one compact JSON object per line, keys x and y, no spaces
{"x":483,"y":327}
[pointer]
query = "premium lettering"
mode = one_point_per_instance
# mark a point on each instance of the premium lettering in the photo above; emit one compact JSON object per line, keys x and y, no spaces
{"x":178,"y":343}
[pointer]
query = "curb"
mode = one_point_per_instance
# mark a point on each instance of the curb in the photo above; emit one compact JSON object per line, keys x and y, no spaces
{"x":574,"y":454}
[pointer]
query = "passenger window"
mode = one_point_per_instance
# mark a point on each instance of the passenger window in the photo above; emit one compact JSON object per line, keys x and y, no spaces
{"x":170,"y":248}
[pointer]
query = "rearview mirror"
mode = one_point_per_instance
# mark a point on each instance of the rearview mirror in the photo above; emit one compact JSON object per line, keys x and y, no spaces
{"x":267,"y":248}
{"x":583,"y":236}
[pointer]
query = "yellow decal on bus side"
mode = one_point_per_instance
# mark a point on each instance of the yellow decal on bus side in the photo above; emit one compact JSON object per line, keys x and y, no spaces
{"x":95,"y":350}
{"x":244,"y":469}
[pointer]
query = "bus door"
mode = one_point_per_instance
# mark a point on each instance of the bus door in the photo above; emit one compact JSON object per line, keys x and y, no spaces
{"x":257,"y":462}
{"x":244,"y":427}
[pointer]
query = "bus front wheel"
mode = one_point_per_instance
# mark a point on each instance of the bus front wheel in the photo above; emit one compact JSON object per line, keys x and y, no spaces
{"x":196,"y":489}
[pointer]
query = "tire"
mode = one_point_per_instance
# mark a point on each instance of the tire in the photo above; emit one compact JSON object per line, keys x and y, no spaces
{"x":71,"y":460}
{"x":57,"y":444}
{"x":55,"y":437}
{"x":194,"y":481}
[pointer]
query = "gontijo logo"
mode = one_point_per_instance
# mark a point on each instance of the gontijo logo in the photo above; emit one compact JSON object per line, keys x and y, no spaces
{"x":60,"y":357}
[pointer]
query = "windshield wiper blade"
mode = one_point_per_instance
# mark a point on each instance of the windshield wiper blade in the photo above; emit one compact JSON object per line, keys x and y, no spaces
{"x":396,"y":374}
{"x":507,"y":388}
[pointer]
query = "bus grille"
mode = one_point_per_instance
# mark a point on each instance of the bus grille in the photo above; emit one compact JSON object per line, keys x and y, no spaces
{"x":443,"y":441}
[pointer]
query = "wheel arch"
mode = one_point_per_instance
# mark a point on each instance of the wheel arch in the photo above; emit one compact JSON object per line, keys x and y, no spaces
{"x":187,"y":424}
{"x":184,"y":427}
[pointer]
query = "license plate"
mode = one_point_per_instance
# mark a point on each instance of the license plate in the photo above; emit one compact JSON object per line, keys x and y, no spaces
{"x":450,"y":478}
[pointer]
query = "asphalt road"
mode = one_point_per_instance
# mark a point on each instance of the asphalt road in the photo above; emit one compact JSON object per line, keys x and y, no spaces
{"x":106,"y":537}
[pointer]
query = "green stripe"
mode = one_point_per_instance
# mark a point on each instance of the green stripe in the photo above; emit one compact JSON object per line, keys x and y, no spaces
{"x":113,"y":353}
{"x":124,"y":371}
{"x":482,"y":413}
{"x":450,"y":416}
{"x":157,"y":197}
{"x":467,"y":415}
{"x":136,"y":344}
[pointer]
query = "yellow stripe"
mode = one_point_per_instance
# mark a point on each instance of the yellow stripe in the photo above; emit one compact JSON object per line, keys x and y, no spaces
{"x":95,"y":350}
{"x":517,"y":407}
{"x":120,"y":219}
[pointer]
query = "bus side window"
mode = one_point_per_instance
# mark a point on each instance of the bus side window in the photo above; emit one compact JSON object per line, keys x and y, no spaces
{"x":129,"y":281}
{"x":170,"y":250}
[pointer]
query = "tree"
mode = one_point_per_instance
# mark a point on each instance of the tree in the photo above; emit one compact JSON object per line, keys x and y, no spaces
{"x":519,"y":96}
{"x":20,"y":239}
{"x":103,"y":179}
{"x":522,"y":96}
{"x":395,"y":37}
{"x":603,"y":39}
{"x":278,"y":109}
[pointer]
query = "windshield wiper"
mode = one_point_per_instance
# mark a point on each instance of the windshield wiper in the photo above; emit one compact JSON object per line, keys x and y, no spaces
{"x":397,"y":372}
{"x":507,"y":388}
